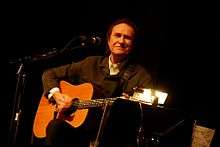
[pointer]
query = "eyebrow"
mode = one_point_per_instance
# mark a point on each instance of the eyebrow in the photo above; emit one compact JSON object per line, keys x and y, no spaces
{"x":126,"y":36}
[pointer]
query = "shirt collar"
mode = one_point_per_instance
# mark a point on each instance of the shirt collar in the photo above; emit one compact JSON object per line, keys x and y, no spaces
{"x":114,"y":68}
{"x":116,"y":65}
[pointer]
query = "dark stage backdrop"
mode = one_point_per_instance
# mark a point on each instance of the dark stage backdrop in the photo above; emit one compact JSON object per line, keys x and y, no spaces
{"x":178,"y":43}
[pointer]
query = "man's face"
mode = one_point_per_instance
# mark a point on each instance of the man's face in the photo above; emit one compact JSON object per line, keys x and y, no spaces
{"x":121,"y":39}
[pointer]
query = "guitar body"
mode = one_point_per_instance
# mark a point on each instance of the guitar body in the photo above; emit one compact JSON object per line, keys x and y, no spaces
{"x":45,"y":111}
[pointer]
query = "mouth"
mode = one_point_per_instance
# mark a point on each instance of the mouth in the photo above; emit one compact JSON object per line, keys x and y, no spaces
{"x":121,"y":46}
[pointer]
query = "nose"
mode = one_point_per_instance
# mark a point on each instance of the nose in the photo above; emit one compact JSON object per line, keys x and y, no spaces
{"x":122,"y":42}
{"x":121,"y":39}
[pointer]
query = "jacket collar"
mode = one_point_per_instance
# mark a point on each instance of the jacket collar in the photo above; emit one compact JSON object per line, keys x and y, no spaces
{"x":104,"y":64}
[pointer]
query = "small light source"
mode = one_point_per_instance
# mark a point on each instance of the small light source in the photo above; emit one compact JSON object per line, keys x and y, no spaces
{"x":146,"y":96}
{"x":149,"y":96}
{"x":162,"y":96}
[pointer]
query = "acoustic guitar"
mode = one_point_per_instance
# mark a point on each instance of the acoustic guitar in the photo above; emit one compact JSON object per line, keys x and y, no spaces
{"x":75,"y":115}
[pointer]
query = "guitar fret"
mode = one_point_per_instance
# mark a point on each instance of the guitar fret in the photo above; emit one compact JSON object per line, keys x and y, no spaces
{"x":93,"y":103}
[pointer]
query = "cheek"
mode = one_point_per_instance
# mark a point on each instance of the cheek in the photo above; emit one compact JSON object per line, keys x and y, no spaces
{"x":130,"y":43}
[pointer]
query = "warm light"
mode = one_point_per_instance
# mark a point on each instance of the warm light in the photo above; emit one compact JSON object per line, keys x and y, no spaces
{"x":161,"y":96}
{"x":144,"y":96}
{"x":148,"y":96}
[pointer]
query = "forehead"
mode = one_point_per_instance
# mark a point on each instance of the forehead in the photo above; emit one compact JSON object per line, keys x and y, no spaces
{"x":123,"y":28}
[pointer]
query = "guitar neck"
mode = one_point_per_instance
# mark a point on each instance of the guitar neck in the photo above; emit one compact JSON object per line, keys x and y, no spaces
{"x":93,"y":103}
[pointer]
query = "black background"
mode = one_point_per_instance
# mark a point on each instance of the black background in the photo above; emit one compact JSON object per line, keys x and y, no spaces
{"x":179,"y":44}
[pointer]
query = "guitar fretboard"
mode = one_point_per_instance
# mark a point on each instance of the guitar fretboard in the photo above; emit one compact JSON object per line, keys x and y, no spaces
{"x":93,"y":103}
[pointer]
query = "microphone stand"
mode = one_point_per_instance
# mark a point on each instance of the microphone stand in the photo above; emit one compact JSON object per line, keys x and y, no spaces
{"x":16,"y":108}
{"x":21,"y":80}
{"x":140,"y":136}
{"x":102,"y":124}
{"x":80,"y":43}
{"x":156,"y":139}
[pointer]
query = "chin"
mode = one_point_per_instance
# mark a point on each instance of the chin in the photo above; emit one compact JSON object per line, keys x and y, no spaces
{"x":120,"y":53}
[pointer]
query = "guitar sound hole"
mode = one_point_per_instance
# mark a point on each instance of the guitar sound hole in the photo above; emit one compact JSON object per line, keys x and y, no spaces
{"x":73,"y":108}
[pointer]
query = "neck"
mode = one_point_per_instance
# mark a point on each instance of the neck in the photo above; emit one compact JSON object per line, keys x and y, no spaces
{"x":117,"y":58}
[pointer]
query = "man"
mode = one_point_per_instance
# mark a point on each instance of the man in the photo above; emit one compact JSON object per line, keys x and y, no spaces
{"x":113,"y":75}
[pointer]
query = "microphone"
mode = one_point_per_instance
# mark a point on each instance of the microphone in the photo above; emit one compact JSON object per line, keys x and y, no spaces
{"x":81,"y":41}
{"x":90,"y":40}
{"x":75,"y":43}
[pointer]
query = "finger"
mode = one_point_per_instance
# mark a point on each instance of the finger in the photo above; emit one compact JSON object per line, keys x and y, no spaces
{"x":59,"y":107}
{"x":125,"y":94}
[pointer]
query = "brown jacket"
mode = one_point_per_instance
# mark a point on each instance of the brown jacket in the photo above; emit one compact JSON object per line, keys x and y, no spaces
{"x":95,"y":70}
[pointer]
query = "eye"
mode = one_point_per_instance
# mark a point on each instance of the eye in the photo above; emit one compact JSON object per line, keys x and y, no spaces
{"x":127,"y":37}
{"x":117,"y":35}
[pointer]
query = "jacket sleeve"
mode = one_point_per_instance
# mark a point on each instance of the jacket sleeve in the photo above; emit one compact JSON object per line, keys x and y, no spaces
{"x":70,"y":72}
{"x":52,"y":77}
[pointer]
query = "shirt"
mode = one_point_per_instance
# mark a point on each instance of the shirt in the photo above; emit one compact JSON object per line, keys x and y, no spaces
{"x":113,"y":68}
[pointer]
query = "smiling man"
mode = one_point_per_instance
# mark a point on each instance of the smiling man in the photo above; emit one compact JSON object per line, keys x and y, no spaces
{"x":120,"y":42}
{"x":112,"y":75}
